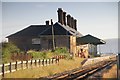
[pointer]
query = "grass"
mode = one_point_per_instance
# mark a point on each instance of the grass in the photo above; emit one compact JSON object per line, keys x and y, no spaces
{"x":112,"y":73}
{"x":63,"y":65}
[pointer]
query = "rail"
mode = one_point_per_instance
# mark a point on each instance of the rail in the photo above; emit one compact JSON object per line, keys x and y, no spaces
{"x":82,"y":72}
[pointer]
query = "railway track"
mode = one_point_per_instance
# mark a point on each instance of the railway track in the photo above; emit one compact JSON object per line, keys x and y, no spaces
{"x":80,"y":73}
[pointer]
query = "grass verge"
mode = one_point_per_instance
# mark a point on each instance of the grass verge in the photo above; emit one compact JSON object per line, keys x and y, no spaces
{"x":64,"y":65}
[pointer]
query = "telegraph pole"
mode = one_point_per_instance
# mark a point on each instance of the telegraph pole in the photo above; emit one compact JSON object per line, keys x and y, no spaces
{"x":53,"y":40}
{"x":118,"y":66}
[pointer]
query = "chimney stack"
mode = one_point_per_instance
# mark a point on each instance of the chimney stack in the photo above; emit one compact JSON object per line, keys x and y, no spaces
{"x":69,"y":20}
{"x":72,"y":22}
{"x":75,"y":24}
{"x":47,"y":23}
{"x":64,"y":18}
{"x":60,"y":15}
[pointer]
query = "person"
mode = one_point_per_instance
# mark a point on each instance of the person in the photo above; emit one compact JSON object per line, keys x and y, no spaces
{"x":82,"y":53}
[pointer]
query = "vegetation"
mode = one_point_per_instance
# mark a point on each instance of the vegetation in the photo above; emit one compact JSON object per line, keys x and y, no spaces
{"x":50,"y":54}
{"x":63,"y":51}
{"x":7,"y":50}
{"x":64,"y":65}
{"x":40,"y":54}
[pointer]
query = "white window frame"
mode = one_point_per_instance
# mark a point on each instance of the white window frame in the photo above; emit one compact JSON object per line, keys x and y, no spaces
{"x":36,"y":41}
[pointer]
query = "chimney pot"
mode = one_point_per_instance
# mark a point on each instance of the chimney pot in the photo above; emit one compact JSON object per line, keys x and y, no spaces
{"x":47,"y":22}
{"x":64,"y":18}
{"x":72,"y":20}
{"x":75,"y":24}
{"x":69,"y":20}
{"x":51,"y":22}
{"x":60,"y":15}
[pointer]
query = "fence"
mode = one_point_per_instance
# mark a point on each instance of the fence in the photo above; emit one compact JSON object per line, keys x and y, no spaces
{"x":14,"y":66}
{"x":21,"y":56}
{"x":59,"y":57}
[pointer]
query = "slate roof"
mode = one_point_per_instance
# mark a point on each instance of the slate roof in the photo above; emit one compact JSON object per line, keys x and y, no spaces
{"x":61,"y":30}
{"x":38,"y":30}
{"x":89,"y":39}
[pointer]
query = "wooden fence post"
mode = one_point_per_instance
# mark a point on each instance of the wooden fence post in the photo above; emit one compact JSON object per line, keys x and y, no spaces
{"x":56,"y":60}
{"x":31,"y":63}
{"x":39,"y":62}
{"x":61,"y":56}
{"x":22,"y":64}
{"x":3,"y":70}
{"x":27,"y":64}
{"x":43,"y":62}
{"x":52,"y":60}
{"x":46,"y":62}
{"x":16,"y":66}
{"x":49,"y":61}
{"x":10,"y":67}
{"x":35,"y":62}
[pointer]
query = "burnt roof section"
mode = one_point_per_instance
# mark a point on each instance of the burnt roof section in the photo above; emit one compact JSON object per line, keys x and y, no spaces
{"x":89,"y":39}
{"x":38,"y":30}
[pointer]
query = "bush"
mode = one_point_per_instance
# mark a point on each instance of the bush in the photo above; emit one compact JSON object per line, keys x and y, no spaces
{"x":61,"y":51}
{"x":40,"y":55}
{"x":7,"y":50}
{"x":50,"y":54}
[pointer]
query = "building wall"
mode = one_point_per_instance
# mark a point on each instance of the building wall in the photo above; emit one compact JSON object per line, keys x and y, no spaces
{"x":25,"y":43}
{"x":92,"y":49}
{"x":60,"y":41}
{"x":73,"y":45}
{"x":85,"y":49}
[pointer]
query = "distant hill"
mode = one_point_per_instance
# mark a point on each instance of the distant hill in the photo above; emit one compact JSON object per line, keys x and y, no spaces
{"x":111,"y":46}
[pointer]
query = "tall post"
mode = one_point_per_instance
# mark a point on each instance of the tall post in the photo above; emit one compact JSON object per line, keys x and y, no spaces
{"x":118,"y":66}
{"x":99,"y":50}
{"x":53,"y":40}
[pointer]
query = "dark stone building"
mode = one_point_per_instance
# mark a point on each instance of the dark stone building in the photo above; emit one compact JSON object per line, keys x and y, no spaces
{"x":40,"y":37}
{"x":60,"y":34}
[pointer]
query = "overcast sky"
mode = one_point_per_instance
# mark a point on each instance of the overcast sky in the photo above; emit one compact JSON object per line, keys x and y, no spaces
{"x":99,"y":19}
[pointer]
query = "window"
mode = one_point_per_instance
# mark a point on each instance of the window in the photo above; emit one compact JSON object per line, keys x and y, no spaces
{"x":36,"y":41}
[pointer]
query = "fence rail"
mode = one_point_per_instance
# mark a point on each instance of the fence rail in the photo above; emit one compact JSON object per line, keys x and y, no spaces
{"x":14,"y":66}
